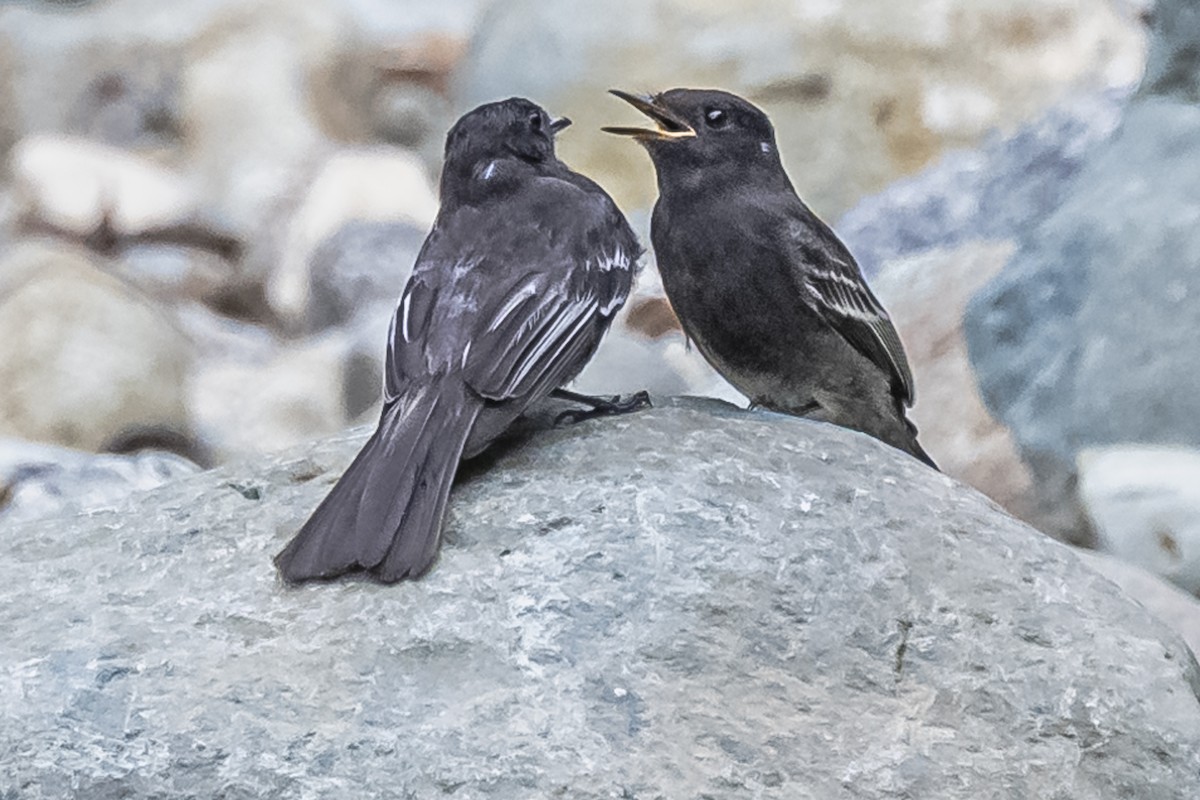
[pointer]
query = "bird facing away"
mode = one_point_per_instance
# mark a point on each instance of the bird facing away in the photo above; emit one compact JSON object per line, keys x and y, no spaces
{"x":516,"y":284}
{"x":766,"y":291}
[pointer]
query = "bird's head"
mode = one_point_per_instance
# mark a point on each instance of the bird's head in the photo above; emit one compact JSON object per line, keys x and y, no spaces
{"x":491,"y":143}
{"x":701,"y":129}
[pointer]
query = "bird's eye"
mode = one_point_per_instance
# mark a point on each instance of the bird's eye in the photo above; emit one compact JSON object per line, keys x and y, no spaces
{"x":716,"y":118}
{"x":535,"y":122}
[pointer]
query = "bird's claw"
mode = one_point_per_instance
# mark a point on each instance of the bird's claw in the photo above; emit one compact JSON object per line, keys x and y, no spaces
{"x":604,"y":407}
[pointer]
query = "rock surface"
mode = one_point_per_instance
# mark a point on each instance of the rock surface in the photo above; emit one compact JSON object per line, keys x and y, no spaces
{"x":1178,"y":609}
{"x":689,"y":602}
{"x":76,"y":186}
{"x":39,"y":480}
{"x":1068,"y":341}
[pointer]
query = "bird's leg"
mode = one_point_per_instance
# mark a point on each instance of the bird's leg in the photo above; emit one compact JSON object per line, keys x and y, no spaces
{"x":599,"y":406}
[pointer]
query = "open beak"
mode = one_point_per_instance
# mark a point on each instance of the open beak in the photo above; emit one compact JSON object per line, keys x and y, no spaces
{"x":670,"y":125}
{"x":556,"y":125}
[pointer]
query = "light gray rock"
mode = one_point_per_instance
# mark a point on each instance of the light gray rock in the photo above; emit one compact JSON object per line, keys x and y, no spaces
{"x":84,"y":358}
{"x":1178,"y":609}
{"x":1085,"y":339}
{"x":1144,"y":505}
{"x":76,"y":186}
{"x":384,"y":185}
{"x":359,"y":272}
{"x":38,"y":480}
{"x":689,"y":602}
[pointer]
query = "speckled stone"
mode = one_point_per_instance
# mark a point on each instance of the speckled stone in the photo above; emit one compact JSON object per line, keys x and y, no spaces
{"x":690,"y":602}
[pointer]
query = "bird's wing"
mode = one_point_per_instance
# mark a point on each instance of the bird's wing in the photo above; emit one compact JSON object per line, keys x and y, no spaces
{"x":540,"y":331}
{"x":835,"y":288}
{"x":520,"y":316}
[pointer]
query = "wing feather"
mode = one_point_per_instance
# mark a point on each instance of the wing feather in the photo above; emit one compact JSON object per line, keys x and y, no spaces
{"x":835,"y":288}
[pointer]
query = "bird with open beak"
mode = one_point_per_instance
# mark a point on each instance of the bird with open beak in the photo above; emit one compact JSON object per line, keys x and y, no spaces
{"x":765,"y":289}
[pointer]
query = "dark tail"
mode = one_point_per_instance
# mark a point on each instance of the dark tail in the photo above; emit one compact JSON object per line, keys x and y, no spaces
{"x":385,"y":513}
{"x":912,"y":446}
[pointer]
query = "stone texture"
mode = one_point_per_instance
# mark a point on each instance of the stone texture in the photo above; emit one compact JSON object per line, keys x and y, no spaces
{"x":861,"y":91}
{"x":689,"y":602}
{"x":1143,"y":504}
{"x":1175,"y":607}
{"x":1067,"y":341}
{"x":925,"y":296}
{"x":38,"y":480}
{"x":84,"y":359}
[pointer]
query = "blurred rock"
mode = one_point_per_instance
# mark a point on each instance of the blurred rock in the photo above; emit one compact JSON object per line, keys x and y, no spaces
{"x":861,"y":91}
{"x":38,"y":480}
{"x":1086,"y":338}
{"x":925,"y":296}
{"x":1179,"y":610}
{"x":217,"y":336}
{"x":78,"y":187}
{"x":1173,"y":63}
{"x":383,"y":185}
{"x":84,"y":359}
{"x":10,"y":120}
{"x":998,"y":191}
{"x":1144,"y":506}
{"x":394,"y":90}
{"x":131,"y":102}
{"x":686,"y":602}
{"x":248,"y":405}
{"x":173,"y":273}
{"x":359,"y":272}
{"x":250,"y":132}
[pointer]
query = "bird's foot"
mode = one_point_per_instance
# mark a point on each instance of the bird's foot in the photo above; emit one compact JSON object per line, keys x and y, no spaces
{"x":599,"y":406}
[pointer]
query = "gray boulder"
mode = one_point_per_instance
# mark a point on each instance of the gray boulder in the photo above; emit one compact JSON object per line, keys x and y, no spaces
{"x":38,"y":480}
{"x":997,"y":191}
{"x":1086,"y":337}
{"x":689,"y":602}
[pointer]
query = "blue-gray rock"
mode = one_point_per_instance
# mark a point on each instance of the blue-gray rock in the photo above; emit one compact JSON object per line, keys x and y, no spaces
{"x":999,"y":191}
{"x":689,"y":602}
{"x":360,"y":270}
{"x":1087,"y":337}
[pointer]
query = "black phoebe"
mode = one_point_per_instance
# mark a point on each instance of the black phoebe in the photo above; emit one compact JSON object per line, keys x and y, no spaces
{"x":768,"y":293}
{"x":516,"y":284}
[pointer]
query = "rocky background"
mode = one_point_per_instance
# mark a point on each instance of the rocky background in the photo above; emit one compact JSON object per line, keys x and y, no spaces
{"x":208,"y":208}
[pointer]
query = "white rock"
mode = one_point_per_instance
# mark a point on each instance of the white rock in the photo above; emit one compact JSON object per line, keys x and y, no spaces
{"x":370,"y":185}
{"x":74,"y":184}
{"x":250,"y":133}
{"x":1144,"y":502}
{"x":259,"y":405}
{"x":83,"y":357}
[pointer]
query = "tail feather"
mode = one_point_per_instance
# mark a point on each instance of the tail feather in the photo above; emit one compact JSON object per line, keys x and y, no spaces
{"x":914,"y":447}
{"x":390,"y":502}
